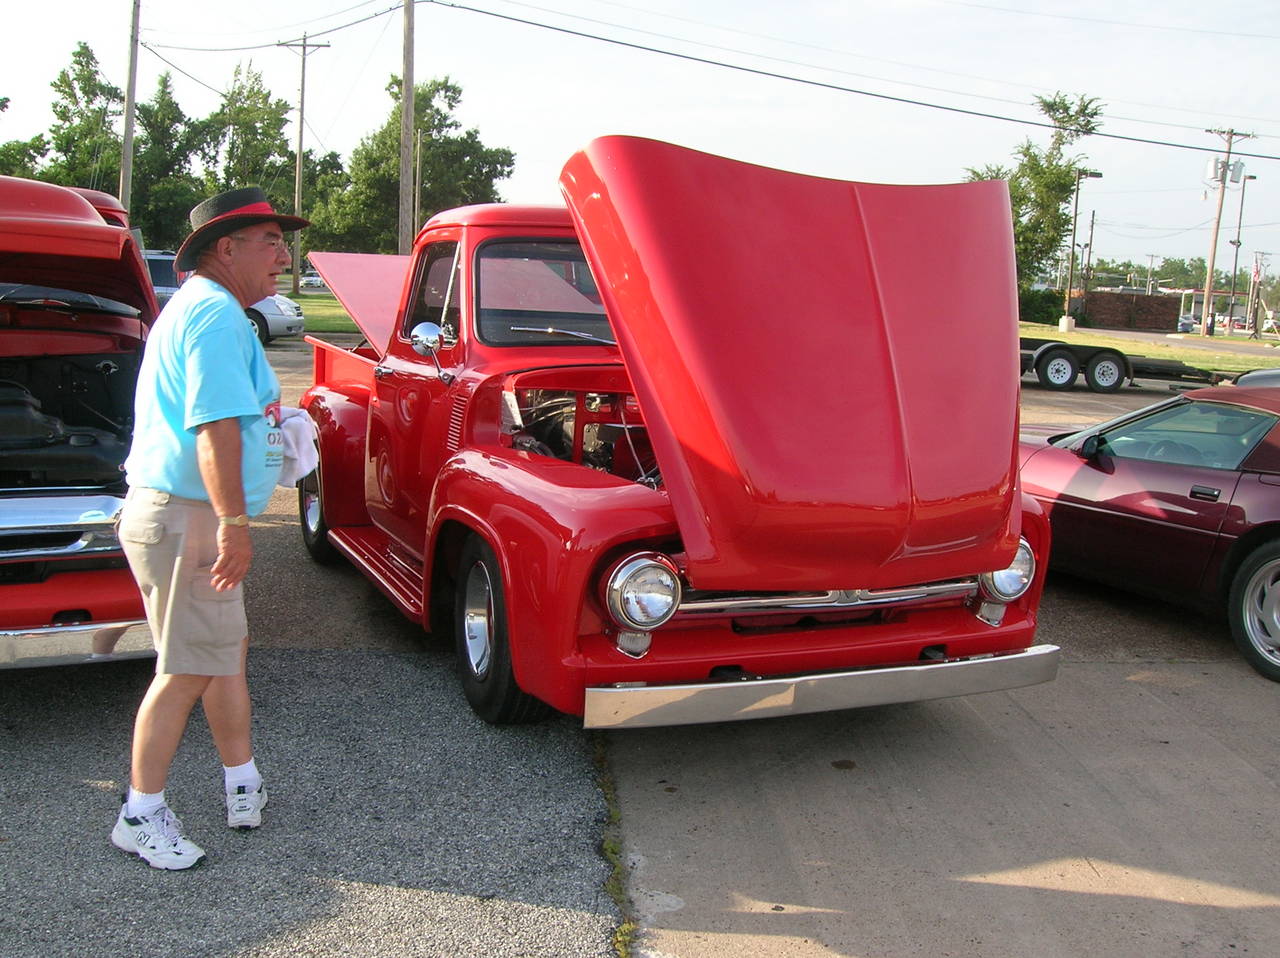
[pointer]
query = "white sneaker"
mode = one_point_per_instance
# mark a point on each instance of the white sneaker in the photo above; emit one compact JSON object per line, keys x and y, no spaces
{"x":244,"y":808}
{"x":157,"y":839}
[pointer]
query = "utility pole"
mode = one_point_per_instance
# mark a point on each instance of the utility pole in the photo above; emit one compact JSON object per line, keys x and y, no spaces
{"x":407,"y":225}
{"x":1206,"y":313}
{"x":297,"y":170}
{"x":1235,"y":258}
{"x":1066,"y":324}
{"x":126,"y":151}
{"x":1151,"y":262}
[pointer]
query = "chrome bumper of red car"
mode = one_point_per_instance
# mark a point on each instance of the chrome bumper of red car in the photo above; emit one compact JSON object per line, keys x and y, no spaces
{"x":74,"y":644}
{"x":649,"y":705}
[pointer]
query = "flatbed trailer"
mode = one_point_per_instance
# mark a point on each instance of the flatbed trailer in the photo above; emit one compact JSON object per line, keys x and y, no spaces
{"x":1057,"y":365}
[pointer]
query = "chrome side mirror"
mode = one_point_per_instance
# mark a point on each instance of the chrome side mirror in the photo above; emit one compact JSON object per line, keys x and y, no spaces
{"x":425,"y":340}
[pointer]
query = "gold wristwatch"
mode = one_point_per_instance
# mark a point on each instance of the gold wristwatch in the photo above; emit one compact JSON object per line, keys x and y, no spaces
{"x":240,"y":520}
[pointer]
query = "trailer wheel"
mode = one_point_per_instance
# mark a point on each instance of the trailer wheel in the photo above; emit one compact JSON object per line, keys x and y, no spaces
{"x":1057,"y":369}
{"x":1104,"y":373}
{"x":483,"y":643}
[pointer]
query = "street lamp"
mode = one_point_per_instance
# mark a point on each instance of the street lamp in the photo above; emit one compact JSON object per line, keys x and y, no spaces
{"x":1067,"y":321}
{"x":1235,"y":259}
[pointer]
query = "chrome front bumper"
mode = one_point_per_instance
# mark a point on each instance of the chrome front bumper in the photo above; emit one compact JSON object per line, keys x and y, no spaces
{"x":75,"y":644}
{"x":649,"y":705}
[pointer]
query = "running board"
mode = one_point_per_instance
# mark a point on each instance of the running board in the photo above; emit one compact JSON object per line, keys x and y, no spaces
{"x":369,"y":549}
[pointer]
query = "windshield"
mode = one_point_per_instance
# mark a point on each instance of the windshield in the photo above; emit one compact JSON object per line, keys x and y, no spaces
{"x":537,"y":292}
{"x":162,"y":271}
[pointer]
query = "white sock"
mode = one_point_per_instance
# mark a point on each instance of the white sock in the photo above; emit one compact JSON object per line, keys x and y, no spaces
{"x":142,"y":804}
{"x":246,"y":775}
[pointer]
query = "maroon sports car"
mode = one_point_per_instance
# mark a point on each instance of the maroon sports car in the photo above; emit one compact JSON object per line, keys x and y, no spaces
{"x":1180,"y":501}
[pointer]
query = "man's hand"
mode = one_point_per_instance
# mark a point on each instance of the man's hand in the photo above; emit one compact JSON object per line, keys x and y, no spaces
{"x":235,"y":552}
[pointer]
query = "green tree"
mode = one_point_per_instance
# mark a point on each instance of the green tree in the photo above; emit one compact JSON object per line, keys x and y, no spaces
{"x":1042,"y":182}
{"x":248,"y":145}
{"x":457,"y":169}
{"x":84,"y":146}
{"x":22,"y":157}
{"x":169,"y":144}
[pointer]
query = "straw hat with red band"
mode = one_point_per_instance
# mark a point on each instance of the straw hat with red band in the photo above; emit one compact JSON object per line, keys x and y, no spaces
{"x":225,"y":213}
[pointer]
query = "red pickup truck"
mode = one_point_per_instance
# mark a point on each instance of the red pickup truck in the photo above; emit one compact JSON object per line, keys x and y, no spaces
{"x":75,"y":306}
{"x":705,"y":444}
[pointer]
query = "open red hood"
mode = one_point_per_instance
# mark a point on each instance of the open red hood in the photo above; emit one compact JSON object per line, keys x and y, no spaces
{"x":369,"y":287}
{"x":53,"y":237}
{"x":828,"y":370}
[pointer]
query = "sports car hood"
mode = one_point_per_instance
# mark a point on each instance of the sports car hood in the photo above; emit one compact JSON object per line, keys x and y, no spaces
{"x":828,"y":369}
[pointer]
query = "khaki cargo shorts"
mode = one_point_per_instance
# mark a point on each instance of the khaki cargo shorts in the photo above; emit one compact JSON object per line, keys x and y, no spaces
{"x":171,"y":545}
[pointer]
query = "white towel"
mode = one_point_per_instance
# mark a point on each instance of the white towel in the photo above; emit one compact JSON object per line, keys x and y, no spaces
{"x":300,"y":455}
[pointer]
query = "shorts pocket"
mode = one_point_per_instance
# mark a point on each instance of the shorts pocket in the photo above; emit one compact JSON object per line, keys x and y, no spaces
{"x":142,"y":531}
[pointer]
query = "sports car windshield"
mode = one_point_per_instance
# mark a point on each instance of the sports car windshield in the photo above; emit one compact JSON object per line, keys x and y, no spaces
{"x":538,"y":292}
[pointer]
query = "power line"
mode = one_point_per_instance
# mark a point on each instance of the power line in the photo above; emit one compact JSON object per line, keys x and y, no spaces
{"x":755,"y":71}
{"x":1115,"y":23}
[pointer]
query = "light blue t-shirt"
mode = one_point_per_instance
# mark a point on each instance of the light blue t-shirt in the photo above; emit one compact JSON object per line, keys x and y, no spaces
{"x":203,"y":363}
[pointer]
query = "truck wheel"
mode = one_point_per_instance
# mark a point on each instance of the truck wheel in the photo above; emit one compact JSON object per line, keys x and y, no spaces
{"x":1104,"y":373}
{"x":315,"y":531}
{"x":483,"y":647}
{"x":1254,"y":610}
{"x":1057,"y":369}
{"x":259,"y":325}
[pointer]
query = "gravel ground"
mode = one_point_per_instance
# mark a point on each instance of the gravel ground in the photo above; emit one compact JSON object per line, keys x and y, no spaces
{"x":398,"y":824}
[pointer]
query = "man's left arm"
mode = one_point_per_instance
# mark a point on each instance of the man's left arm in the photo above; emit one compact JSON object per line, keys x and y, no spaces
{"x":218,"y":454}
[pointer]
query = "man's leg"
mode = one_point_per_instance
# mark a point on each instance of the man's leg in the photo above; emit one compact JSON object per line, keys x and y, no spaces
{"x":229,"y":713}
{"x":157,"y":732}
{"x":227,"y":709}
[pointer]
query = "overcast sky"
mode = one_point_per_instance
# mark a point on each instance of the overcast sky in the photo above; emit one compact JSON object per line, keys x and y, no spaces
{"x":1166,"y":72}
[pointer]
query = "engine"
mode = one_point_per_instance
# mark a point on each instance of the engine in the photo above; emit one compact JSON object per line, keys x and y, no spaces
{"x":65,"y":420}
{"x":599,"y":430}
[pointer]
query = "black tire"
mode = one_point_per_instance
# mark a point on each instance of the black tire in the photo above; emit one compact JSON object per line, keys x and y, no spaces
{"x":1104,"y":372}
{"x":259,"y":325}
{"x":315,"y":530}
{"x":1254,"y":609}
{"x":1057,"y":369}
{"x":482,"y":643}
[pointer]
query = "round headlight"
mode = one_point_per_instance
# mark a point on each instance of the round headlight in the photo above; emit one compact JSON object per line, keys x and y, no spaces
{"x":643,"y":591}
{"x":1009,"y":583}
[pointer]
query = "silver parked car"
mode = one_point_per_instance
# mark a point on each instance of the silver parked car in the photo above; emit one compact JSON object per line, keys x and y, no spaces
{"x":272,"y":317}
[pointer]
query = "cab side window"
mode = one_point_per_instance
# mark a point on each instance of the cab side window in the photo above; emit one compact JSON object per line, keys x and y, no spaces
{"x":436,"y":296}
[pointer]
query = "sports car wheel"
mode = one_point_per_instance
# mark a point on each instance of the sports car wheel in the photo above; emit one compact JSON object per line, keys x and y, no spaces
{"x":1057,"y":369}
{"x":484,"y":652}
{"x":1254,"y":610}
{"x":1104,"y":373}
{"x":315,"y":531}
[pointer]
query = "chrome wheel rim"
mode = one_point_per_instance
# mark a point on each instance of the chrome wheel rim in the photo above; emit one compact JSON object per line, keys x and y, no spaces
{"x":1261,"y":611}
{"x":311,"y":511}
{"x":477,"y":620}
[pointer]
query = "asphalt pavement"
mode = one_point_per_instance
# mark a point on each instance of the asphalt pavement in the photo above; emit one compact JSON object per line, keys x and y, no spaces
{"x":1127,"y":808}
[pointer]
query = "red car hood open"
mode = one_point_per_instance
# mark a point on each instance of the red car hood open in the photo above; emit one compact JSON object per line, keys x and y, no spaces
{"x":369,"y":287}
{"x":53,"y":237}
{"x":828,"y":370}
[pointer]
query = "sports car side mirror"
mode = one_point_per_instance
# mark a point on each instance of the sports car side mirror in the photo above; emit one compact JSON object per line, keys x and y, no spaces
{"x":1090,"y":448}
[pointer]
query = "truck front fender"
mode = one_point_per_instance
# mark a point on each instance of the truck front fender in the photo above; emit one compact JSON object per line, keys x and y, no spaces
{"x":552,"y":525}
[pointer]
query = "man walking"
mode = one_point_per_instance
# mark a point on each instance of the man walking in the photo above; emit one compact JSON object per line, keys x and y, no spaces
{"x":206,"y":453}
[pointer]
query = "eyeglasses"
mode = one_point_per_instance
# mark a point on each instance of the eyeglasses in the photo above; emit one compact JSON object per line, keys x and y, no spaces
{"x":277,"y":243}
